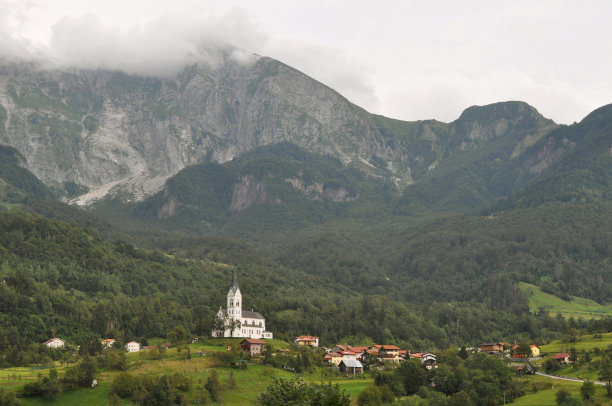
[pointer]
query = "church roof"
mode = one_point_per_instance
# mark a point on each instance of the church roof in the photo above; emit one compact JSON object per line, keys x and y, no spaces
{"x":247,"y":314}
{"x":252,"y":315}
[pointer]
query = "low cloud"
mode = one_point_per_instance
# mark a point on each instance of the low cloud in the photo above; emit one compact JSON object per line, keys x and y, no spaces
{"x":161,"y":47}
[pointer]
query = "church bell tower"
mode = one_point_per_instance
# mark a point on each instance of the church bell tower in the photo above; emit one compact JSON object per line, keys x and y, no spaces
{"x":234,"y":300}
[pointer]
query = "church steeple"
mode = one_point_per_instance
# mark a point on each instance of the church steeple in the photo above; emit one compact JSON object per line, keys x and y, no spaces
{"x":234,"y":281}
{"x":234,"y":299}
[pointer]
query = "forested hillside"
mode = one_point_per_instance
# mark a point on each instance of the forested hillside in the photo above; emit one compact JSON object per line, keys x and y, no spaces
{"x":65,"y":280}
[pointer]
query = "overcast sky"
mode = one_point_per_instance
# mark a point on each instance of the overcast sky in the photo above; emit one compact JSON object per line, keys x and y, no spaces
{"x":404,"y":59}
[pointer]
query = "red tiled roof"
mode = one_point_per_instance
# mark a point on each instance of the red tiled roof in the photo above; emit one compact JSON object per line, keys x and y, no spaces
{"x":357,"y":349}
{"x":347,"y":353}
{"x":306,"y":338}
{"x":562,"y":355}
{"x":253,"y":341}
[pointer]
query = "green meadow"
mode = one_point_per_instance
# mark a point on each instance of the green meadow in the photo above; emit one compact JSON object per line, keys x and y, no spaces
{"x":239,"y":386}
{"x":578,"y":307}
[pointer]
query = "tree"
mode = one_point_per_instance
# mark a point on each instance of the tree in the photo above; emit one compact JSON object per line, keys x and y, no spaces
{"x":370,"y":396}
{"x":116,"y":360}
{"x":460,"y":398}
{"x":82,"y":374}
{"x":523,"y":349}
{"x":587,"y":390}
{"x":8,"y":398}
{"x":297,"y":392}
{"x":220,"y":324}
{"x":605,"y":372}
{"x":412,"y":374}
{"x":178,"y":335}
{"x":213,"y":386}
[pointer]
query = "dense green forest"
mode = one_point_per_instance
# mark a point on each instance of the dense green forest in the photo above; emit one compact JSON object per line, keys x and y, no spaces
{"x":321,"y":247}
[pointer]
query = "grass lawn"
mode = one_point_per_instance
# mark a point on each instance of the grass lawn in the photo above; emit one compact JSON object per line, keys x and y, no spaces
{"x":549,"y":387}
{"x":84,"y":396}
{"x":240,"y":386}
{"x":584,"y":342}
{"x":579,"y":307}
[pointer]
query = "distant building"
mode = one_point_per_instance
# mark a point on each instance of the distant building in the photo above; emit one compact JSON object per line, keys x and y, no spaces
{"x":562,"y":358}
{"x":429,"y":360}
{"x":496,"y":348}
{"x":253,"y":346}
{"x":132,"y":346}
{"x":108,"y":343}
{"x":307,"y":340}
{"x":332,"y":358}
{"x":54,"y":343}
{"x":238,"y":322}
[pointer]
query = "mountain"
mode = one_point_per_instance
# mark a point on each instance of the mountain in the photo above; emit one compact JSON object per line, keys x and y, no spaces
{"x":88,"y":134}
{"x":574,"y":164}
{"x":264,"y":193}
{"x":104,"y":130}
{"x":17,"y":183}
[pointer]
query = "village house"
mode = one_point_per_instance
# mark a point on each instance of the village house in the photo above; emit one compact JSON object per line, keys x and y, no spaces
{"x":54,"y":343}
{"x":253,"y":346}
{"x":107,"y":343}
{"x":359,"y":352}
{"x":387,"y":353}
{"x":562,"y":358}
{"x":238,"y":322}
{"x":132,"y":346}
{"x":496,"y":348}
{"x":535,"y":352}
{"x":429,"y":360}
{"x":307,"y":340}
{"x":332,"y":358}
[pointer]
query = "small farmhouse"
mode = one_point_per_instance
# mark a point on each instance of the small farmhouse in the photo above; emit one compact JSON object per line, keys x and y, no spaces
{"x":332,"y":358}
{"x":132,"y":346}
{"x":535,"y":352}
{"x":54,"y":343}
{"x":429,"y":360}
{"x":307,"y":340}
{"x":496,"y":348}
{"x":562,"y":358}
{"x":253,"y":346}
{"x":107,"y":343}
{"x":387,"y":353}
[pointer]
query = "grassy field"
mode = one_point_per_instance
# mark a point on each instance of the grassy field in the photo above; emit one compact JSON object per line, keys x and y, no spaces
{"x":578,"y":307}
{"x":584,"y":342}
{"x":240,"y":386}
{"x":547,"y":389}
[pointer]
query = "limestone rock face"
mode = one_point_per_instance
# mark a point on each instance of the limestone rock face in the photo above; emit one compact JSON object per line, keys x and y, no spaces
{"x":124,"y":134}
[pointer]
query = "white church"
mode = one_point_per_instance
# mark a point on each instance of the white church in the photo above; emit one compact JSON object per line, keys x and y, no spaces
{"x":237,"y":322}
